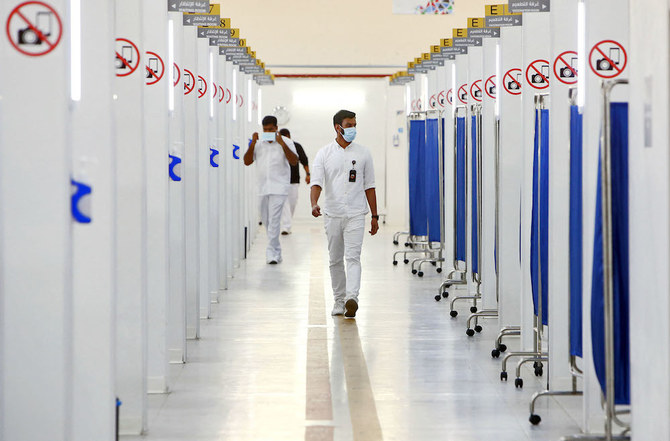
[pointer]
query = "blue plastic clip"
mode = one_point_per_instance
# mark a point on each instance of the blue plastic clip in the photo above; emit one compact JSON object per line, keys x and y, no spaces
{"x":81,"y":191}
{"x":213,"y":155}
{"x":236,"y":148}
{"x":174,"y":162}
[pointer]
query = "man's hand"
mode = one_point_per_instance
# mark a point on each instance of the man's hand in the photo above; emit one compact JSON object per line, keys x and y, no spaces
{"x":307,"y":179}
{"x":375,"y":227}
{"x":279,"y":138}
{"x":316,"y":211}
{"x":254,"y":137}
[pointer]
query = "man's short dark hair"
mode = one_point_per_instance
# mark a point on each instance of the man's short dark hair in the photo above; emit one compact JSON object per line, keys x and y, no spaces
{"x":269,"y":120}
{"x":342,"y":115}
{"x":285,"y":132}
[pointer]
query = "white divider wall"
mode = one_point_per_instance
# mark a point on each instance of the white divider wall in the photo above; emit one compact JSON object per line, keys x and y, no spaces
{"x":131,"y":253}
{"x":204,"y":87}
{"x":191,"y":181}
{"x":535,"y":43}
{"x":604,"y":20}
{"x":563,"y":39}
{"x":473,"y":73}
{"x":509,"y":309}
{"x":224,"y":160}
{"x":35,"y":232}
{"x":488,"y":236}
{"x":177,"y":213}
{"x":237,"y":233}
{"x":93,"y":163}
{"x":214,"y":173}
{"x":156,"y":144}
{"x":236,"y":152}
{"x":648,"y":198}
{"x":447,"y":85}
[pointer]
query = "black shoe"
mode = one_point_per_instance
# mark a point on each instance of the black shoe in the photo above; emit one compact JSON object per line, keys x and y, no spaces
{"x":350,"y":308}
{"x":285,"y":233}
{"x":272,"y":262}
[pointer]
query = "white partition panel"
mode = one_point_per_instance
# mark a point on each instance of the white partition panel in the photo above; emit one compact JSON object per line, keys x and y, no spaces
{"x":175,"y":171}
{"x":157,"y":86}
{"x":93,"y":163}
{"x":510,"y":87}
{"x":191,"y":181}
{"x":214,"y":172}
{"x":604,"y":21}
{"x":563,"y":67}
{"x":35,"y":225}
{"x":224,"y":160}
{"x":204,"y":86}
{"x":649,"y":219}
{"x":536,"y":80}
{"x":131,"y":336}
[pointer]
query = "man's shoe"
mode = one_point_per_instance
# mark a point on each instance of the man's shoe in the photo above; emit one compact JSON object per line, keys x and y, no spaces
{"x":285,"y":233}
{"x":272,"y":262}
{"x":351,"y":306}
{"x":338,"y":309}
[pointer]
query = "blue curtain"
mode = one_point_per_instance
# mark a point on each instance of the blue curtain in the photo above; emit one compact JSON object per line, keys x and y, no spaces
{"x":432,"y":182}
{"x":575,"y":232}
{"x":473,"y":199}
{"x":461,"y":189}
{"x":539,"y":234}
{"x":621,"y":288}
{"x":418,"y":221}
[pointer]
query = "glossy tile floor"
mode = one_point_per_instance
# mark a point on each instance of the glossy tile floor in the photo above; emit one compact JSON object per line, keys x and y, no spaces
{"x":273,"y":365}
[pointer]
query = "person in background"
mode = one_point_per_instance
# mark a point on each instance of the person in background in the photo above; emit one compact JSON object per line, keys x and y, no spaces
{"x":273,"y":155}
{"x":292,"y":200}
{"x":344,"y":170}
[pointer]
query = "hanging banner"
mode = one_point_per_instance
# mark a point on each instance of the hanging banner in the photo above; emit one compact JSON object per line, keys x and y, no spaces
{"x":423,"y":7}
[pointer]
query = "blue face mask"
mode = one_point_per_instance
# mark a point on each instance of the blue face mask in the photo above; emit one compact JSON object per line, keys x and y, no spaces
{"x":268,"y":136}
{"x":349,"y":134}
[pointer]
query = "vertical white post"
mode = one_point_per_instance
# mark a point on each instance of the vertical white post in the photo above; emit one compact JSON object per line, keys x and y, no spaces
{"x":214,"y":172}
{"x":154,"y":69}
{"x":92,"y":36}
{"x":35,"y":228}
{"x":131,"y":253}
{"x":225,"y":158}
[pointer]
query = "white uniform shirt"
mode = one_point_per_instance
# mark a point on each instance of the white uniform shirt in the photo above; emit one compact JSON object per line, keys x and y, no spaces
{"x":330,"y":171}
{"x":273,"y":170}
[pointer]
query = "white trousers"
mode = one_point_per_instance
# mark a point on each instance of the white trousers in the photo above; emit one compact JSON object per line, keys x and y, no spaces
{"x":289,"y":207}
{"x":271,"y":207}
{"x":345,"y":240}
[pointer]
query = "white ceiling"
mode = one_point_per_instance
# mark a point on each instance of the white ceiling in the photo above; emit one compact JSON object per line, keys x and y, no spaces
{"x":345,"y":36}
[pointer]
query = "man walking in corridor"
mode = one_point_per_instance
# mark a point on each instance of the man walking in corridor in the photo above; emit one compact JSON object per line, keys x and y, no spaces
{"x":344,"y":170}
{"x":274,"y":155}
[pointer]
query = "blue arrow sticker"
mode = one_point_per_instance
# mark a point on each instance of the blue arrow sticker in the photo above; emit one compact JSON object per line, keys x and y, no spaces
{"x":213,"y":155}
{"x":236,"y":148}
{"x":78,"y":212}
{"x":174,"y":162}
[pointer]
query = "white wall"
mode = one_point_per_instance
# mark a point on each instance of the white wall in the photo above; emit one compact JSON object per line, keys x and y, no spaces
{"x":312,"y":104}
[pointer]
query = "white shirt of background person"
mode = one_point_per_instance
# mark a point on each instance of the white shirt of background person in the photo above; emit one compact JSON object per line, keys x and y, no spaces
{"x":345,"y":171}
{"x":274,"y":155}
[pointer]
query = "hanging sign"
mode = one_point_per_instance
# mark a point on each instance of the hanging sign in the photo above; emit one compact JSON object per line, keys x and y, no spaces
{"x":201,"y":6}
{"x":608,"y":59}
{"x":537,"y":74}
{"x":155,"y":68}
{"x":565,"y":67}
{"x":529,"y":5}
{"x":189,"y":82}
{"x":127,"y":57}
{"x":34,"y":28}
{"x":512,"y":81}
{"x":490,"y":87}
{"x":463,"y":94}
{"x":201,"y":20}
{"x":476,"y":91}
{"x":461,"y":38}
{"x":477,"y":28}
{"x":501,"y":16}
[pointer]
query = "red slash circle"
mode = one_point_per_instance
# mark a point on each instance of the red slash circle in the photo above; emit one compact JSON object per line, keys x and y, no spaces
{"x":223,"y":94}
{"x":202,"y":91}
{"x":189,"y":82}
{"x":476,"y":91}
{"x":608,"y":59}
{"x":440,"y":98}
{"x":537,"y":74}
{"x":490,"y":87}
{"x":512,"y":81}
{"x":154,"y":75}
{"x":463,"y":94}
{"x":40,"y":36}
{"x":450,"y":96}
{"x":177,"y":77}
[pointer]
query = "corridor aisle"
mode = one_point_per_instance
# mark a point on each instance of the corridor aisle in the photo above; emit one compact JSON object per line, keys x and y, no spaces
{"x":272,"y":365}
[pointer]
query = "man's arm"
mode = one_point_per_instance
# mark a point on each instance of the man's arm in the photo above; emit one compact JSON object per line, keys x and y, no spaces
{"x":291,"y":157}
{"x":371,"y":195}
{"x":314,"y":195}
{"x":249,"y":155}
{"x":307,"y":175}
{"x":302,"y":157}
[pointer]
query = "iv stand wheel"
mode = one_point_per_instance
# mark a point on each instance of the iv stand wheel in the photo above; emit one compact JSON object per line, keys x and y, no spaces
{"x":439,"y":270}
{"x":470,"y":332}
{"x":518,"y":383}
{"x":539,"y":371}
{"x":395,"y":262}
{"x":445,"y":294}
{"x":406,"y":261}
{"x":502,"y":347}
{"x":478,"y":328}
{"x":503,"y":376}
{"x":395,"y":242}
{"x":453,"y":313}
{"x":495,"y":353}
{"x":473,"y":309}
{"x":534,"y":419}
{"x":438,"y":298}
{"x":420,"y":274}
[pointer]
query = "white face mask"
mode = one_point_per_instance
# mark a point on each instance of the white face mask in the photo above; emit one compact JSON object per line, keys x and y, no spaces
{"x":268,"y":136}
{"x":349,"y":133}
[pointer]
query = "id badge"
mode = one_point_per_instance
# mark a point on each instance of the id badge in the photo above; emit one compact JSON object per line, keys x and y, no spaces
{"x":352,"y":175}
